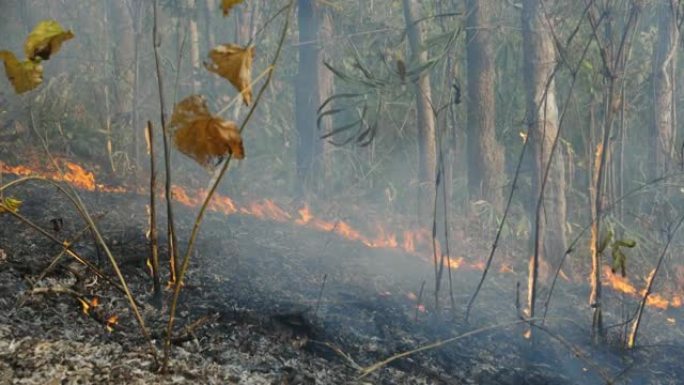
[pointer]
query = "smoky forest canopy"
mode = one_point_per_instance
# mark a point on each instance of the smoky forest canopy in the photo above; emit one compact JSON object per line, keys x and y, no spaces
{"x":536,"y":140}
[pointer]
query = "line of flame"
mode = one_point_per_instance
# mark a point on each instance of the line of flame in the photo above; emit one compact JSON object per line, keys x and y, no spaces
{"x":415,"y":242}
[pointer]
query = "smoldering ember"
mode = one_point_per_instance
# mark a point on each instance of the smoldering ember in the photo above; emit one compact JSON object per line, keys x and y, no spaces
{"x":341,"y":192}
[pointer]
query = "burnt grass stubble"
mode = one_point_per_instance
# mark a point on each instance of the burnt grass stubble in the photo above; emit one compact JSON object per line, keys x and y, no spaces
{"x":250,"y":312}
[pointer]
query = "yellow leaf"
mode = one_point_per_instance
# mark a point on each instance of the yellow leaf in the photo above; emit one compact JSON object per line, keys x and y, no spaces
{"x":201,"y":136}
{"x":10,"y":204}
{"x":25,"y":75}
{"x":226,"y":5}
{"x":234,"y":63}
{"x":45,"y":40}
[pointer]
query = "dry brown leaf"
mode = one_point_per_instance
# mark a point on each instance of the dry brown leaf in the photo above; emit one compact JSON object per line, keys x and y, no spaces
{"x":45,"y":40}
{"x":25,"y":75}
{"x":234,"y":63}
{"x":201,"y":136}
{"x":227,"y":5}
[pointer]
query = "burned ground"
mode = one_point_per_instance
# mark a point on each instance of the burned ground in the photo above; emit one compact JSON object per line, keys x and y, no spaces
{"x":269,"y":303}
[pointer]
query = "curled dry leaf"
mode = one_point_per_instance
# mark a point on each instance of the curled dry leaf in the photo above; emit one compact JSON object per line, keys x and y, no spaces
{"x":25,"y":75}
{"x":227,"y":5}
{"x":45,"y":40}
{"x":234,"y":63}
{"x":201,"y":136}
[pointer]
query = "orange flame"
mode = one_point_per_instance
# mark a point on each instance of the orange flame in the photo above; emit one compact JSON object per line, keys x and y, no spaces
{"x":415,"y":242}
{"x":112,"y":321}
{"x":623,"y":285}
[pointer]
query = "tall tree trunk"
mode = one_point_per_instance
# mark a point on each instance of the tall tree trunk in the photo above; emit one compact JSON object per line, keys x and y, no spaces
{"x":547,"y":204}
{"x":425,"y":119}
{"x":326,"y":82}
{"x":485,"y":154}
{"x":308,"y":95}
{"x":194,"y":45}
{"x":664,"y":64}
{"x":123,"y":33}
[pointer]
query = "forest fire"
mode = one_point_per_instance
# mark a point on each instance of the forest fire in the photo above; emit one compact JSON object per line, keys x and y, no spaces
{"x":623,"y":285}
{"x":414,"y":242}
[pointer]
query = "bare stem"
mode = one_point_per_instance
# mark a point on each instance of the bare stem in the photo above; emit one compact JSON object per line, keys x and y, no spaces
{"x":171,"y":231}
{"x":200,"y":215}
{"x":154,"y":249}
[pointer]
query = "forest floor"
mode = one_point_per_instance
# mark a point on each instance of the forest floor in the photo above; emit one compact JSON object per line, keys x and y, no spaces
{"x":268,"y":303}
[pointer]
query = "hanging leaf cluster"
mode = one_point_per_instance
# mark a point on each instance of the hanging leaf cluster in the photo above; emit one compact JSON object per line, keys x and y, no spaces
{"x":44,"y":41}
{"x":197,"y":133}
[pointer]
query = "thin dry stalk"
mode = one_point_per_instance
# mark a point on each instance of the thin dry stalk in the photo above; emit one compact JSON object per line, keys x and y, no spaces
{"x":171,"y":231}
{"x":435,"y":345}
{"x":154,"y":249}
{"x":219,"y":176}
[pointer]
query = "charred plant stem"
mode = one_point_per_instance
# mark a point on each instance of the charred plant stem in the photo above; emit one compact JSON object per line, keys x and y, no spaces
{"x":212,"y":190}
{"x":437,"y":260}
{"x":446,"y":230}
{"x":171,"y":232}
{"x":154,"y":250}
{"x":631,"y":342}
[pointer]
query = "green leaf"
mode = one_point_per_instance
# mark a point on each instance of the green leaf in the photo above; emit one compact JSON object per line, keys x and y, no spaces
{"x":630,"y":243}
{"x":605,"y":241}
{"x":619,"y":260}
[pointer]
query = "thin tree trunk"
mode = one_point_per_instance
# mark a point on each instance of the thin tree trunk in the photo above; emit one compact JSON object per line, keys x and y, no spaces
{"x":326,"y":83}
{"x":485,"y":154}
{"x":425,"y":120}
{"x":547,"y":203}
{"x":194,"y":45}
{"x":308,"y":95}
{"x":664,"y":62}
{"x":124,"y":34}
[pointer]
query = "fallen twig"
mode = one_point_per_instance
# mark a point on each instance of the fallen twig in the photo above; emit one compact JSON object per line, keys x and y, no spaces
{"x":370,"y":369}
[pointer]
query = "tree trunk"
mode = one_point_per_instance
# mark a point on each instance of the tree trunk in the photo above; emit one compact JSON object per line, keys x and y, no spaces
{"x":546,"y":204}
{"x":194,"y":45}
{"x":664,"y":64}
{"x":485,"y":154}
{"x":124,"y":70}
{"x":326,"y":89}
{"x":425,"y":119}
{"x":308,"y":95}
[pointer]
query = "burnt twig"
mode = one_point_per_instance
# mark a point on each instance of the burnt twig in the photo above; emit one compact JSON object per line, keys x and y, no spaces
{"x":154,"y":250}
